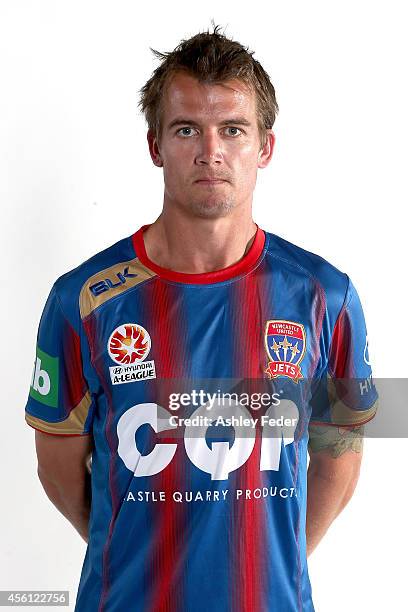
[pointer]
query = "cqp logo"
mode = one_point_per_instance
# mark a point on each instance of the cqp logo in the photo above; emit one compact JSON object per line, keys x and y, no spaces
{"x":129,"y":343}
{"x":220,"y":459}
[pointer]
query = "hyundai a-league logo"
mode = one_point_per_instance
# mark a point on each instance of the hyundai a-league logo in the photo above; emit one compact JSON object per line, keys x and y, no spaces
{"x":285,"y":343}
{"x":129,"y":343}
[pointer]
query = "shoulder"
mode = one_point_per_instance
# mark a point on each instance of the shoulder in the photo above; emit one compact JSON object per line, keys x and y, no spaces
{"x":298,"y":262}
{"x":103,"y":267}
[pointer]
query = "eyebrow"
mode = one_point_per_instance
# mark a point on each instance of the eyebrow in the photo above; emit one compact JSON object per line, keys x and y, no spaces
{"x":233,"y":121}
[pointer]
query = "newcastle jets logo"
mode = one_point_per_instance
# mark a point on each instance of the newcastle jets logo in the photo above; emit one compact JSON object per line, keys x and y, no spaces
{"x":285,"y":343}
{"x":128,"y":346}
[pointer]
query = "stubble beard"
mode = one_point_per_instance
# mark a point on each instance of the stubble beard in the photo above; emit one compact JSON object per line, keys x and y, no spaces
{"x":211,"y":210}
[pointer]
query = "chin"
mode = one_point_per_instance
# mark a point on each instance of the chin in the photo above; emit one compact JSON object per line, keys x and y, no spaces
{"x":211,"y":210}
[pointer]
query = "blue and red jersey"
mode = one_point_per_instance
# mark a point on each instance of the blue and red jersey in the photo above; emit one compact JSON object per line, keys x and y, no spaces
{"x":181,"y":518}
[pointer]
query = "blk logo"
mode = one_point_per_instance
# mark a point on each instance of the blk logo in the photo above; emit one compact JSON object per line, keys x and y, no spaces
{"x":107,"y":284}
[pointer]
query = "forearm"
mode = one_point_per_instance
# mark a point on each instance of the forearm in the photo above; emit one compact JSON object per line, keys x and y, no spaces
{"x":325,"y":500}
{"x":335,"y":458}
{"x":72,"y":498}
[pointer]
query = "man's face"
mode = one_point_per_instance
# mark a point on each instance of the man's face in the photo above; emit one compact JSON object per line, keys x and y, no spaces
{"x":210,"y":146}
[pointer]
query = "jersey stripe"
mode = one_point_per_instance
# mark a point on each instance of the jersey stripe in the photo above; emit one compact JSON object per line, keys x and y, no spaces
{"x":248,"y":525}
{"x":168,"y":327}
{"x":90,"y":326}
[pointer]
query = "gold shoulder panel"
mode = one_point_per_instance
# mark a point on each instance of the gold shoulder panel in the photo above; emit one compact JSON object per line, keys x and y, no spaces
{"x":108,"y":283}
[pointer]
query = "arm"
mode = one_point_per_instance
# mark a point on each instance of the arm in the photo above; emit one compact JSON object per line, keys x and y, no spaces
{"x":65,"y":474}
{"x":335,"y":458}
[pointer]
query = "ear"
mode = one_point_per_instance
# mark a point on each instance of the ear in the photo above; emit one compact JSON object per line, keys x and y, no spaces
{"x":265,"y":154}
{"x":154,"y":149}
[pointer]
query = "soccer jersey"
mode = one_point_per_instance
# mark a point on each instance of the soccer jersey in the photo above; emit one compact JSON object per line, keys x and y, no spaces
{"x":199,"y":498}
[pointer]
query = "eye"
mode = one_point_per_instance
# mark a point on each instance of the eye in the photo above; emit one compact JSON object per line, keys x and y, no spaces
{"x":235,"y":131}
{"x":185,"y":131}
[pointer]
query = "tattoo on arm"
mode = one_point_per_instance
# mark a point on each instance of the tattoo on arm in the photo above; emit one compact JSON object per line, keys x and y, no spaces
{"x":336,"y":440}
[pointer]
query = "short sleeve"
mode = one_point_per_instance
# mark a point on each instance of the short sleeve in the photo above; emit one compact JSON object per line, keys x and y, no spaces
{"x":345,"y":394}
{"x":59,"y":400}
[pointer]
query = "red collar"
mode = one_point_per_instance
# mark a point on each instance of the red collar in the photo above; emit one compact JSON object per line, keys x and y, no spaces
{"x":236,"y":269}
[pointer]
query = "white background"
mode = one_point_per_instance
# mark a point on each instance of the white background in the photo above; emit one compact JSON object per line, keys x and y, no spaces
{"x":76,"y":177}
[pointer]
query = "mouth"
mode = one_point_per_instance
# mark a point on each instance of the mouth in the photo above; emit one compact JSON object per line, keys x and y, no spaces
{"x":210,"y":181}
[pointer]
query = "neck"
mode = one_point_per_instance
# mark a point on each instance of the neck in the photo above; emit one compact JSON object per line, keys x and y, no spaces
{"x":194,"y":245}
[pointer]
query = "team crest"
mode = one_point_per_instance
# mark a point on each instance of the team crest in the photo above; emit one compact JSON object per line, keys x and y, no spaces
{"x":128,"y":346}
{"x":285,"y":343}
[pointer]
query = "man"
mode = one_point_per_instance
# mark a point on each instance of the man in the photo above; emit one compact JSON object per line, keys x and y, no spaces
{"x":173,"y":520}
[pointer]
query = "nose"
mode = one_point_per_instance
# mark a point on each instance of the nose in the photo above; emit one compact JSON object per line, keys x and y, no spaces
{"x":210,"y":151}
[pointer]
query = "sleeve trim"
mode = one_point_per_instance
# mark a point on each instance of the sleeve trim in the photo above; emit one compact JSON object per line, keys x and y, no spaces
{"x":73,"y":424}
{"x":351,"y":420}
{"x":85,"y":433}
